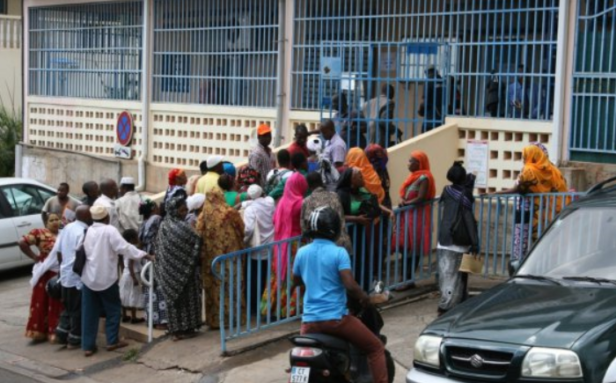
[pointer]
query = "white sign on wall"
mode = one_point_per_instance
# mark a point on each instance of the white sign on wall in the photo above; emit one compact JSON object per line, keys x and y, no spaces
{"x":477,"y":161}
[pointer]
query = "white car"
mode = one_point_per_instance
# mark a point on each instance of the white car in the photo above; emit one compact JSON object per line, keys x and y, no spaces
{"x":21,"y":203}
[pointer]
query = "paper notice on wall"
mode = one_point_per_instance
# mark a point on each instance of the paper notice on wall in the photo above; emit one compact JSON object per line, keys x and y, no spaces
{"x":477,"y":161}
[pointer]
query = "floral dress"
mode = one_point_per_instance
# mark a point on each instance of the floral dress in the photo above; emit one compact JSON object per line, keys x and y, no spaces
{"x":44,"y":311}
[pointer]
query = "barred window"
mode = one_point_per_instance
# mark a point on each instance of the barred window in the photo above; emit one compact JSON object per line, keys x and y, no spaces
{"x":216,"y":52}
{"x":490,"y":58}
{"x":86,"y":50}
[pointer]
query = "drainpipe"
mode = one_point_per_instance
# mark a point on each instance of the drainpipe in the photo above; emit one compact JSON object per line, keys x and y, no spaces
{"x":280,"y":96}
{"x":560,"y":79}
{"x":145,"y":98}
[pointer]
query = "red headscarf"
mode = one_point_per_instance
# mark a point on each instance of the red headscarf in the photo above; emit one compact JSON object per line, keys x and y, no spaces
{"x":174,"y":174}
{"x":287,"y":219}
{"x":424,"y":170}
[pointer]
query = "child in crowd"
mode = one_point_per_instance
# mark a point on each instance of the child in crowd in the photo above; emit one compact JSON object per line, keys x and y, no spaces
{"x":131,"y":292}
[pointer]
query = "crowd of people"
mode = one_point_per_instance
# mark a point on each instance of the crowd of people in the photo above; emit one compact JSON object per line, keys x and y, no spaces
{"x":95,"y":251}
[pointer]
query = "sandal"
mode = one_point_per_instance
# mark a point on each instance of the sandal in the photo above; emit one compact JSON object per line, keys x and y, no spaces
{"x":120,"y":344}
{"x":89,"y":353}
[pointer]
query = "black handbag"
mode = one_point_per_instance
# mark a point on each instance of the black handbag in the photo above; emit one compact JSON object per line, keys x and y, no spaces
{"x":54,"y":288}
{"x":459,"y":232}
{"x":80,"y":257}
{"x":370,"y":207}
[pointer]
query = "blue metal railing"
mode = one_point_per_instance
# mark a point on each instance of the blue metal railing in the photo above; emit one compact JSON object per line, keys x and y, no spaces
{"x":397,"y":250}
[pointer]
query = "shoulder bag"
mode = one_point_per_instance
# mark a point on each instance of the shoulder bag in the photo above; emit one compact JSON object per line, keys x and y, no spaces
{"x":80,"y":256}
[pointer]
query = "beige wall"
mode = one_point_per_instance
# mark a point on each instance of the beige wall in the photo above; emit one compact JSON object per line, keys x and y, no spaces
{"x":15,"y":7}
{"x":10,"y":61}
{"x":441,"y":146}
{"x":10,"y":79}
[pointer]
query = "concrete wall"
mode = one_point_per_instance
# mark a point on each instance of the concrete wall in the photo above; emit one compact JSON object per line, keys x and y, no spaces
{"x":52,"y":166}
{"x":441,"y":146}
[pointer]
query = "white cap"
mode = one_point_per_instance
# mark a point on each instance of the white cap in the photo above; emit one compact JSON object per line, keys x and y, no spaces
{"x":127,"y":181}
{"x":212,"y":161}
{"x":195,"y":201}
{"x":255,"y":191}
{"x":98,"y":213}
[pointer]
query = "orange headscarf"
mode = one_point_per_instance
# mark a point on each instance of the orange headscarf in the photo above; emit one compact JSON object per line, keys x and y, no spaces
{"x":357,"y":159}
{"x":424,"y":170}
{"x":539,"y":173}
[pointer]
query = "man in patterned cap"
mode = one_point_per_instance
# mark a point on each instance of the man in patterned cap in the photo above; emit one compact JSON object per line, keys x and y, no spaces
{"x":262,"y":158}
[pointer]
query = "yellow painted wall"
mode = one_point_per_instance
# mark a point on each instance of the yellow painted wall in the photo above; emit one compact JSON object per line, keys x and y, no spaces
{"x":10,"y":79}
{"x":441,"y":146}
{"x":14,"y":7}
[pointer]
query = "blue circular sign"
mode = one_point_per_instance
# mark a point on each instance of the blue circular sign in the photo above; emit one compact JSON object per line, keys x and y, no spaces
{"x":125,"y":129}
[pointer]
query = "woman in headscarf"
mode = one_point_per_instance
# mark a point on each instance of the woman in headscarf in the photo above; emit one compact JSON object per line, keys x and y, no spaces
{"x":44,"y":310}
{"x":177,"y":186}
{"x":356,"y":158}
{"x":379,"y":158}
{"x":178,"y":249}
{"x":361,"y":208}
{"x":414,"y":226}
{"x":148,"y":232}
{"x":538,"y":176}
{"x":286,"y":225}
{"x":222,"y":231}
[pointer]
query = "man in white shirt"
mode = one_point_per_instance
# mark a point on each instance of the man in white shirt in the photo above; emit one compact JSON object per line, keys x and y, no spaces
{"x":109,"y":192}
{"x":100,"y":292}
{"x":68,"y":331}
{"x":128,"y":206}
{"x":258,"y":230}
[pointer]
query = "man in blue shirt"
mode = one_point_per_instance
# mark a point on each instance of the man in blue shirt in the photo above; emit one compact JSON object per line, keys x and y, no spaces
{"x":325,"y":270}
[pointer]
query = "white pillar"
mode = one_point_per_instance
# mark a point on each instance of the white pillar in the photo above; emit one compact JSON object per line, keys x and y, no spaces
{"x":561,"y":79}
{"x":146,"y":77}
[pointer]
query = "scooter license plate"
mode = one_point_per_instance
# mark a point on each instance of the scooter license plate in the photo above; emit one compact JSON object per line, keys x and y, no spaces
{"x":300,"y":375}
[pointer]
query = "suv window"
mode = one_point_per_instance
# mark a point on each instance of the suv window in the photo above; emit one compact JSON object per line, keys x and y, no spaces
{"x":579,"y":244}
{"x":23,"y":199}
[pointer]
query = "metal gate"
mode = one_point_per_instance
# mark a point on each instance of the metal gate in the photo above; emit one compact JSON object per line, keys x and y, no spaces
{"x":593,"y":132}
{"x":384,"y":93}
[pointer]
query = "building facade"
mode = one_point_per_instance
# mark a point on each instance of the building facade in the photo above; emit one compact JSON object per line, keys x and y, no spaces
{"x":197,"y":77}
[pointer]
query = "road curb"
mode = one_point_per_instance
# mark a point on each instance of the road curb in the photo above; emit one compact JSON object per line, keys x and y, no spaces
{"x":40,"y":372}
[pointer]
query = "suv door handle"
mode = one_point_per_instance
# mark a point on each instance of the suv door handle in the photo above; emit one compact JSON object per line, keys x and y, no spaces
{"x":24,"y":224}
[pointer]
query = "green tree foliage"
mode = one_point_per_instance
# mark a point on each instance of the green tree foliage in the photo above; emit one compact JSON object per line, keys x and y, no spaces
{"x":10,"y":135}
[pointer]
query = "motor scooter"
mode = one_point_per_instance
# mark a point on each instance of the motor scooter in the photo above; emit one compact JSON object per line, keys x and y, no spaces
{"x":320,"y":358}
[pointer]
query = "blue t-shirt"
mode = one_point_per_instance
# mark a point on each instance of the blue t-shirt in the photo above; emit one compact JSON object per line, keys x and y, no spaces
{"x":319,"y":265}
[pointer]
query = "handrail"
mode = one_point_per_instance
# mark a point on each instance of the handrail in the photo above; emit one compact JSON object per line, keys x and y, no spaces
{"x":150,"y":285}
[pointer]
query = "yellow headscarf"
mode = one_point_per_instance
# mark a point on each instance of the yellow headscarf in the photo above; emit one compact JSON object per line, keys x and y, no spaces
{"x":357,"y":159}
{"x":539,"y":175}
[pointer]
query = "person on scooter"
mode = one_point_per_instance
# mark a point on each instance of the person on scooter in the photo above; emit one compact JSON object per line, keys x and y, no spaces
{"x":325,"y":270}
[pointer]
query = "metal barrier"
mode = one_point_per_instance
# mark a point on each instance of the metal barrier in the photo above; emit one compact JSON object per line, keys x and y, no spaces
{"x":147,"y":277}
{"x":397,"y":250}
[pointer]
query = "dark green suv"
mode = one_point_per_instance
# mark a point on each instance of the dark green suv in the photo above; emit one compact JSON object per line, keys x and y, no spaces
{"x":553,"y":321}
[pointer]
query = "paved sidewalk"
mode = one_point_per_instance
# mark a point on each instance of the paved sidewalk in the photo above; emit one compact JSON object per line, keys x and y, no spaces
{"x":195,"y":360}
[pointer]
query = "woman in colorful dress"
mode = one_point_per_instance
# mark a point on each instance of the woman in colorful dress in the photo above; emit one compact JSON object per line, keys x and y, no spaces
{"x":538,"y":176}
{"x":287,"y":224}
{"x":222,"y":231}
{"x":415,"y":225}
{"x":44,"y":310}
{"x":178,"y":248}
{"x":147,"y":237}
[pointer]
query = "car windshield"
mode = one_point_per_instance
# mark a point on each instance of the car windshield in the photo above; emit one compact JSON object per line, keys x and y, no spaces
{"x":581,"y":243}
